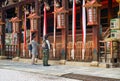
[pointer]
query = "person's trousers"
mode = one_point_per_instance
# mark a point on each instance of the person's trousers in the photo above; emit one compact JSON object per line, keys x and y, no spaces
{"x":33,"y":58}
{"x":45,"y":57}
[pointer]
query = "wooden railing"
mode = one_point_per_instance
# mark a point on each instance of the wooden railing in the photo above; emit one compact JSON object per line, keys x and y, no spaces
{"x":26,"y":52}
{"x":69,"y":38}
{"x":106,"y":34}
{"x":57,"y":55}
{"x":78,"y":51}
{"x":109,"y":51}
{"x":11,"y":51}
{"x":103,"y":51}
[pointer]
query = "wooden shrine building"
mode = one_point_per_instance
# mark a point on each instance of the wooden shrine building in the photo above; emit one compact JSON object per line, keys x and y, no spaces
{"x":20,"y":19}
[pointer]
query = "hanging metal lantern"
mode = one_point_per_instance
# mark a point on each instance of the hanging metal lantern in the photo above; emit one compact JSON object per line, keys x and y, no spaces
{"x":92,"y":11}
{"x":60,"y":12}
{"x":16,"y":27}
{"x":1,"y":24}
{"x":15,"y":22}
{"x":33,"y":21}
{"x":33,"y":24}
{"x":60,"y":20}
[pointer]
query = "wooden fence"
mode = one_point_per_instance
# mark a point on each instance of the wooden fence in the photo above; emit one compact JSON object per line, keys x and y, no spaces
{"x":11,"y":51}
{"x":109,"y":52}
{"x":78,"y":52}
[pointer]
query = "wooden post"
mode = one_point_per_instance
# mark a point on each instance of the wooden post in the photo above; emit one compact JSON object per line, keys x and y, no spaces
{"x":110,"y":11}
{"x":54,"y":46}
{"x":81,"y":16}
{"x":3,"y":35}
{"x":111,"y":50}
{"x":19,"y":15}
{"x":39,"y":22}
{"x":0,"y":4}
{"x":37,"y":11}
{"x":96,"y":35}
{"x":65,"y":30}
{"x":98,"y":29}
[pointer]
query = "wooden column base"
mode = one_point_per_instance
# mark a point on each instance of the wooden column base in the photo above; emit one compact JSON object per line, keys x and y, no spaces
{"x":16,"y":59}
{"x":3,"y":57}
{"x":63,"y":62}
{"x":94,"y":63}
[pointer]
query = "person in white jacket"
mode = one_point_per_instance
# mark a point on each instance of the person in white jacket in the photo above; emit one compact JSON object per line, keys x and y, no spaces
{"x":34,"y":44}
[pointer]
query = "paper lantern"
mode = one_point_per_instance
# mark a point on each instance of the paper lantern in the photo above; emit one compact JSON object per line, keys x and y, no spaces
{"x":33,"y":22}
{"x":16,"y":27}
{"x":60,"y":12}
{"x":15,"y":21}
{"x":92,"y":12}
{"x":60,"y":20}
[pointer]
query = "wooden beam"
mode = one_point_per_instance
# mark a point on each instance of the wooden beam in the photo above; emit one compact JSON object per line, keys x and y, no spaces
{"x":110,"y":11}
{"x":17,"y":4}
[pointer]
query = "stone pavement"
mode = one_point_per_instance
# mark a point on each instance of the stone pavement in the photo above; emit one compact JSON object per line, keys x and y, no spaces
{"x":12,"y":75}
{"x":58,"y":70}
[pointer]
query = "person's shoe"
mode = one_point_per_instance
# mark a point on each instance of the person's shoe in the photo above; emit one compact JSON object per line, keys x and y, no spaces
{"x":32,"y":63}
{"x":44,"y":65}
{"x":47,"y":65}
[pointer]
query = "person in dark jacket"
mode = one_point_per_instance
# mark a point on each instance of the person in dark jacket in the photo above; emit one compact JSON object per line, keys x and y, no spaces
{"x":46,"y":48}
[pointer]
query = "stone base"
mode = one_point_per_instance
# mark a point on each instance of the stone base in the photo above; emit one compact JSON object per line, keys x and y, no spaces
{"x":113,"y":65}
{"x":109,"y":65}
{"x":104,"y":65}
{"x":3,"y":57}
{"x":94,"y":63}
{"x":63,"y":62}
{"x":16,"y":59}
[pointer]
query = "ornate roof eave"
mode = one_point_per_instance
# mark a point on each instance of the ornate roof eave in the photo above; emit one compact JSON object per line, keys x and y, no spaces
{"x":95,"y":4}
{"x":33,"y":16}
{"x":15,"y":19}
{"x":23,"y":2}
{"x":61,"y":10}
